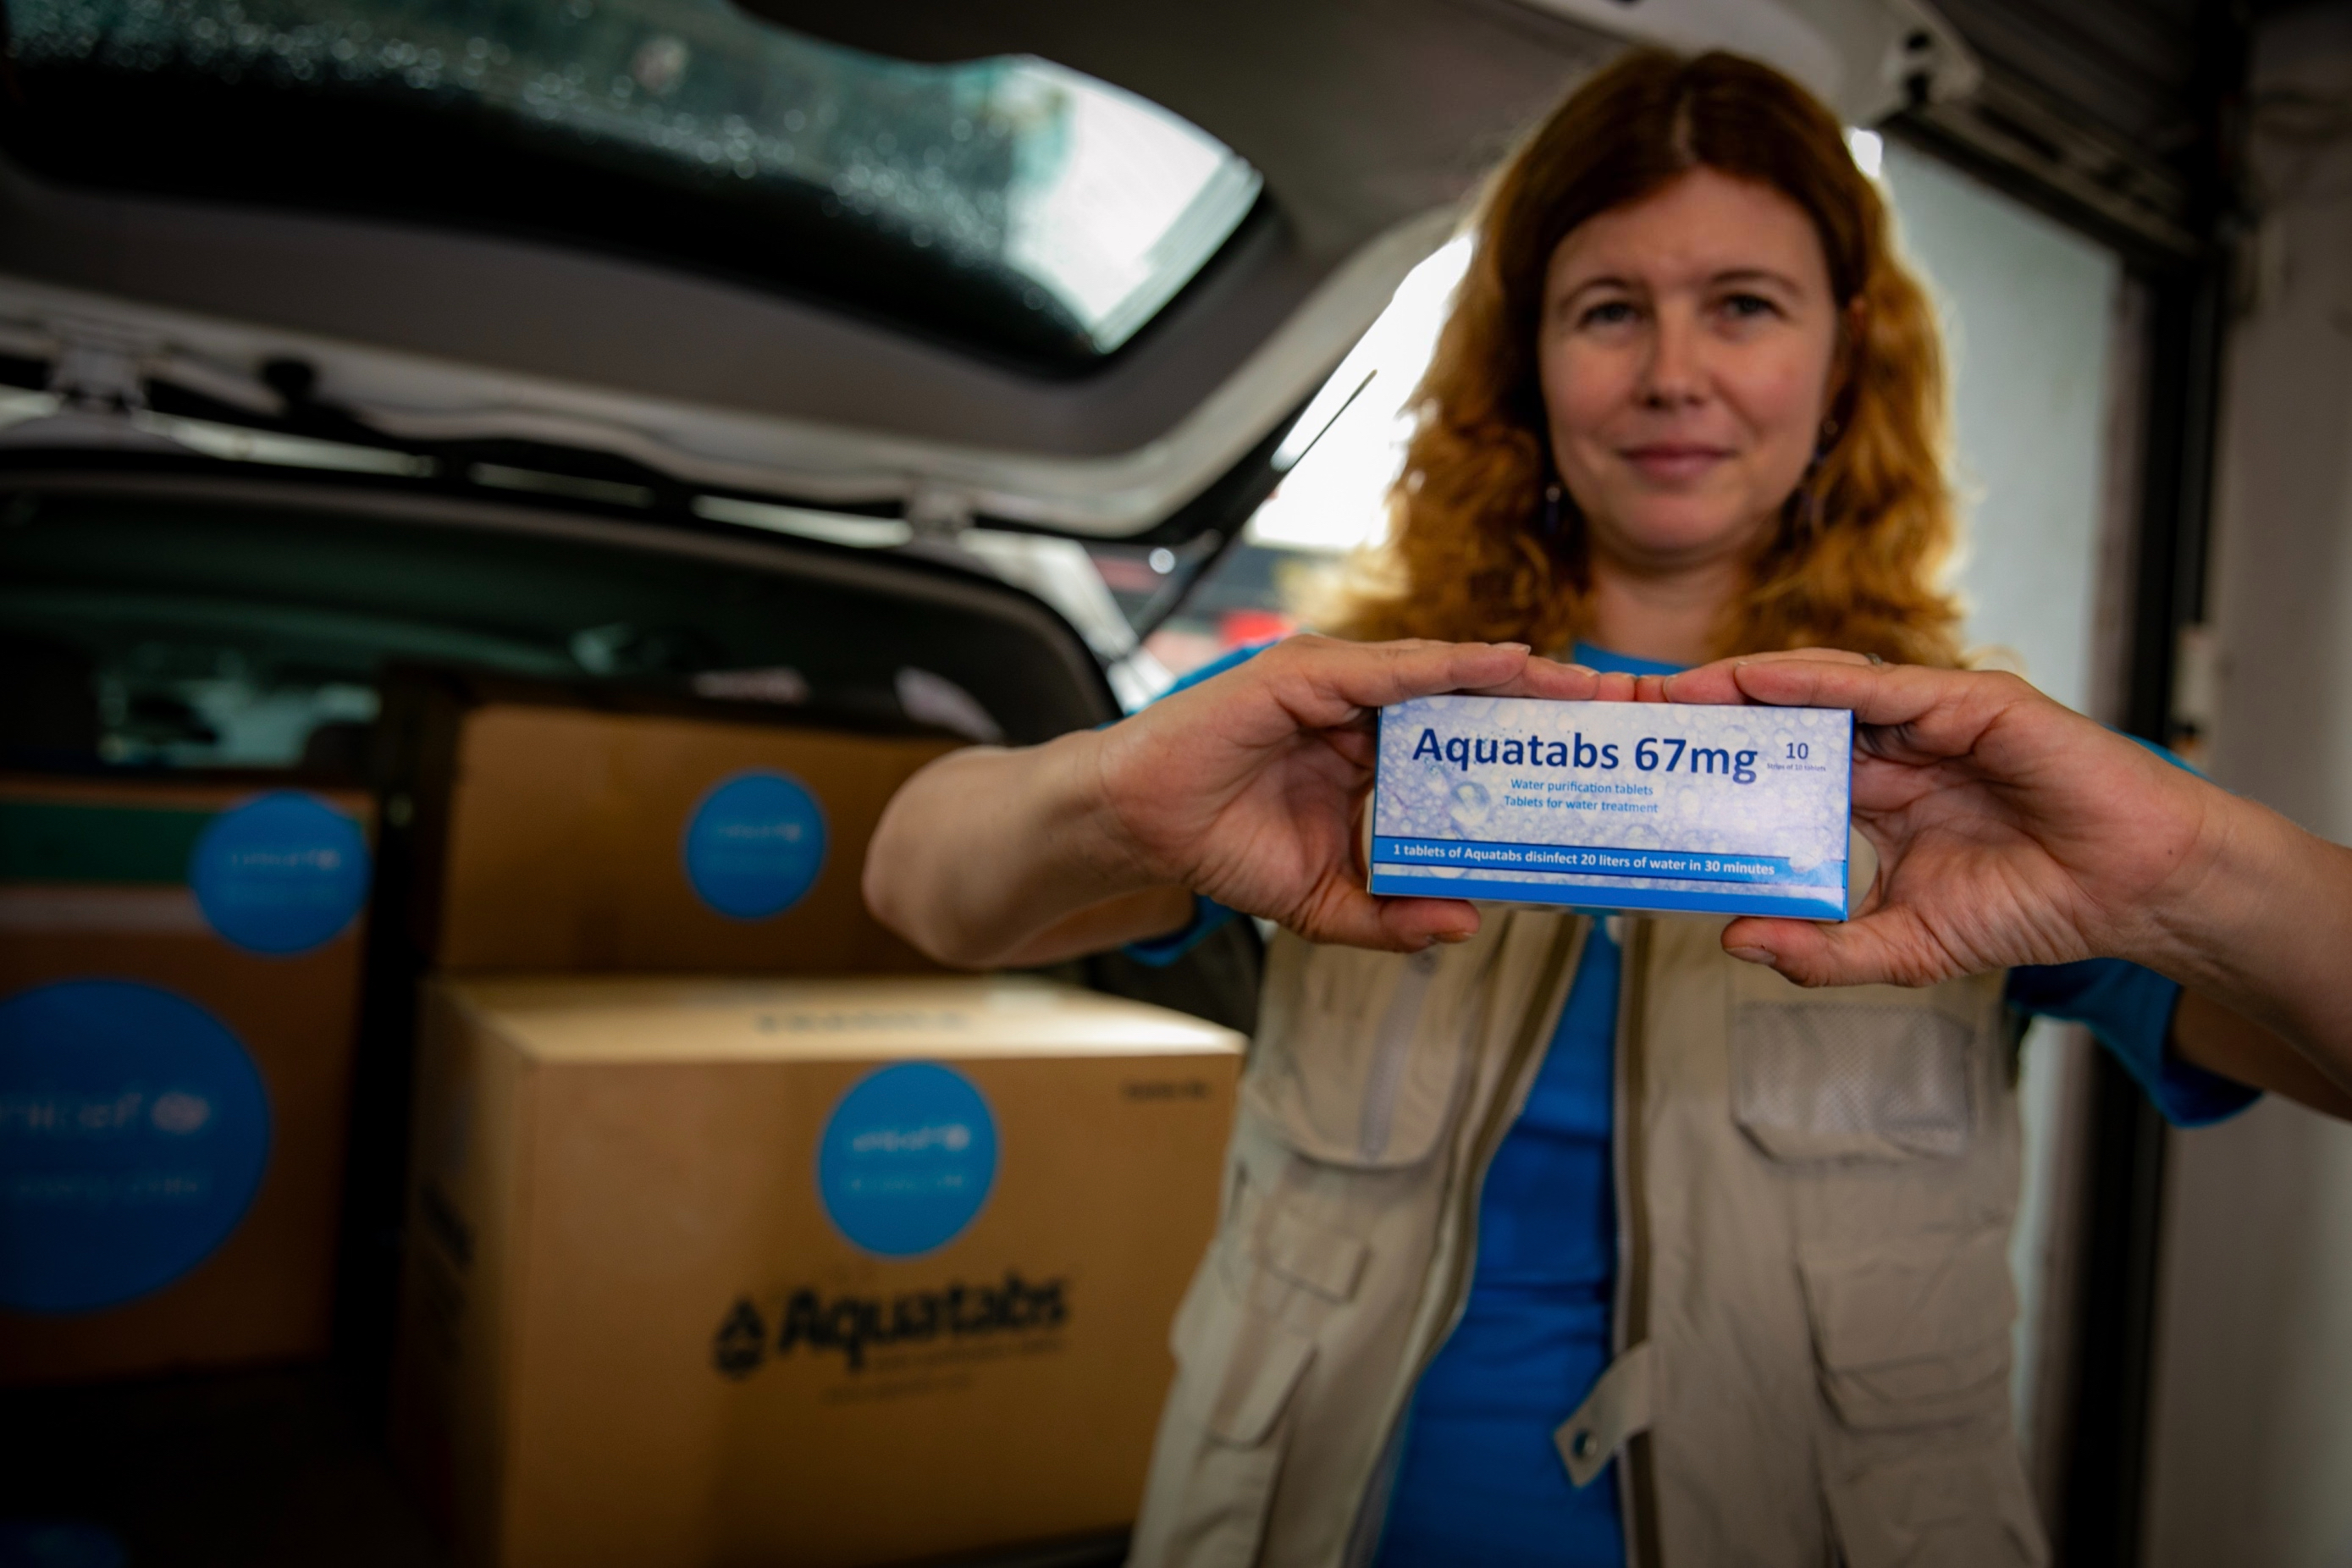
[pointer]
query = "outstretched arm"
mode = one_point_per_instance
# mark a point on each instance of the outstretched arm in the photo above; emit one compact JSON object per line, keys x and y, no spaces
{"x":1242,"y":788}
{"x":2012,"y":830}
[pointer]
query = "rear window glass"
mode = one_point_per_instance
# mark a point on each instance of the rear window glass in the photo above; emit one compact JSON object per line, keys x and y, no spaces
{"x":144,"y":633}
{"x":1010,"y":203}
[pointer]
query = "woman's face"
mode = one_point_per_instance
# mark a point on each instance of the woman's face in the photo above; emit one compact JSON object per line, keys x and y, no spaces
{"x":1685,"y":346}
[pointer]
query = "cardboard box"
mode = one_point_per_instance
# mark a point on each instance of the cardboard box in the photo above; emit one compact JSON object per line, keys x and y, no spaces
{"x":179,"y":981}
{"x":551,"y":835}
{"x":817,"y":1272}
{"x":1716,"y":810}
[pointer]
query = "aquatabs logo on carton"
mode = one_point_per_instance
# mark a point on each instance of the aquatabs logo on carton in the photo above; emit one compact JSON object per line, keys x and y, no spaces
{"x":1614,"y":805}
{"x":851,"y":1325}
{"x":905,"y":1164}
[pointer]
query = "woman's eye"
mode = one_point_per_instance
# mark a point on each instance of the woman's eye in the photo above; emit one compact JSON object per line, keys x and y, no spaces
{"x":1608,"y":313}
{"x":1747,"y":307}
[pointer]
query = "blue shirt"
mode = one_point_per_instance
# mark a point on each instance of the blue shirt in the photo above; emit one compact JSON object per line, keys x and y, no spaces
{"x":1478,"y":1478}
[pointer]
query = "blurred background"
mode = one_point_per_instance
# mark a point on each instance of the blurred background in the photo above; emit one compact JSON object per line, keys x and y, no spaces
{"x":414,"y":414}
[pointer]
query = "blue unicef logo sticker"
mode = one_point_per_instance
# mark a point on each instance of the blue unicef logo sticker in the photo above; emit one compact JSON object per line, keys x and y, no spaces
{"x":281,"y":874}
{"x":907,"y":1158}
{"x":755,"y":845}
{"x":134,"y":1131}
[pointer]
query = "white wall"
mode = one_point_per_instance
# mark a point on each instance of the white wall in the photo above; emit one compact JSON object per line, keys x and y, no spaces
{"x":2029,"y":316}
{"x":2028,"y":311}
{"x":2252,"y":1447}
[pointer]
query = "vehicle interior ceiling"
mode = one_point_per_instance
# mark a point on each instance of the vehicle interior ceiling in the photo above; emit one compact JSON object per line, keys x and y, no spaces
{"x":1359,"y":117}
{"x":219,"y":614}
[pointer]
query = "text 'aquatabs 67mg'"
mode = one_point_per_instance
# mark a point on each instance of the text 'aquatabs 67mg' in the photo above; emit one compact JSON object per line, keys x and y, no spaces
{"x":1623,"y":806}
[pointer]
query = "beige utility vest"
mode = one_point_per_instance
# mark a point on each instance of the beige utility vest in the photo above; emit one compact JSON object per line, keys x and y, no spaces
{"x":1814,"y":1197}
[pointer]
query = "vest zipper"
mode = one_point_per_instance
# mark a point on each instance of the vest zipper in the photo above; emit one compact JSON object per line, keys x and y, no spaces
{"x":1398,"y":1026}
{"x":1630,"y":1319}
{"x":1544,"y":1001}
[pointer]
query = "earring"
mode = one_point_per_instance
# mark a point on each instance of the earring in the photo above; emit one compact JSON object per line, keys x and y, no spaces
{"x":1551,"y":511}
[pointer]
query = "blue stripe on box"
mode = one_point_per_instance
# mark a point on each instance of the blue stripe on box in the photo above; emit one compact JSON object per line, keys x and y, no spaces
{"x":1583,"y":860}
{"x":1610,"y":894}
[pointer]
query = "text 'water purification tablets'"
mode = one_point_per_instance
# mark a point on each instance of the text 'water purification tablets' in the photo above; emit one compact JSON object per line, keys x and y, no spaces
{"x":1626,"y":806}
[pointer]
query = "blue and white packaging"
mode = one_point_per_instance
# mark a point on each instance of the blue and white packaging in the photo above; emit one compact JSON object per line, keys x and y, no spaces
{"x":1618,"y":805}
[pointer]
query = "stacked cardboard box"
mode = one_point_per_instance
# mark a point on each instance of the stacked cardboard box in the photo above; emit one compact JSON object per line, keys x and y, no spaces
{"x":548,"y":834}
{"x":819,"y":1272}
{"x":856,"y":1267}
{"x":179,"y":982}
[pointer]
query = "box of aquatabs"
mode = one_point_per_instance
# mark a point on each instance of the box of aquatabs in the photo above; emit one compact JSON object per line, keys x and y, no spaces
{"x":1621,"y":805}
{"x":827,"y":1272}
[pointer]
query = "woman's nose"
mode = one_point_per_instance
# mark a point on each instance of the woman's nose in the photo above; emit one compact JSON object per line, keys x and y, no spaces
{"x":1675,"y":374}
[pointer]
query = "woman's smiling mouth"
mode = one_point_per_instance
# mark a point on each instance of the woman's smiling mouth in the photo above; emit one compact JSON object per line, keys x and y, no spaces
{"x":1674,"y":462}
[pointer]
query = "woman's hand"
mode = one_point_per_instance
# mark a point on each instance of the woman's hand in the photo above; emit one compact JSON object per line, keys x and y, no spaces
{"x":1243,"y":788}
{"x":1246,"y":788}
{"x":2012,"y":830}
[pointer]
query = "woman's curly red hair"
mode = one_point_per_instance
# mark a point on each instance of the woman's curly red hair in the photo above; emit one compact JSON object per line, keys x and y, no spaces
{"x":1855,"y":558}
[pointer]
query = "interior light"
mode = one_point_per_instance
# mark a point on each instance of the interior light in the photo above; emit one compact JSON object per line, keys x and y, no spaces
{"x":235,"y":444}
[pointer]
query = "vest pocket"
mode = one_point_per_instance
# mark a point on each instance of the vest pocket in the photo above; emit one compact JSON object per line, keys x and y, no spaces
{"x":1221,"y":1436}
{"x":1962,"y":1507}
{"x":1847,"y":1080}
{"x":1324,"y":1263}
{"x":1913,"y":1336}
{"x":1345,"y":1070}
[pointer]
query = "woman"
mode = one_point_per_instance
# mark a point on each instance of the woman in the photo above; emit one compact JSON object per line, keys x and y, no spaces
{"x":1546,"y":1238}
